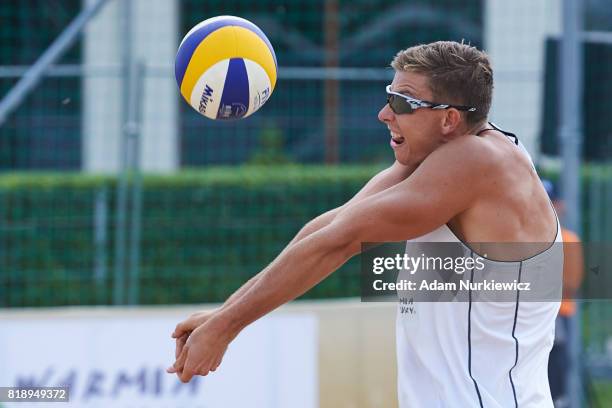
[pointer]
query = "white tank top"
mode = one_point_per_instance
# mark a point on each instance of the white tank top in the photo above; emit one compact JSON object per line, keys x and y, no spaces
{"x":479,"y":353}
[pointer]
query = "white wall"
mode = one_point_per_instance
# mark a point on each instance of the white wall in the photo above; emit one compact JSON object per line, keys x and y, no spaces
{"x":347,"y":348}
{"x":117,"y":358}
{"x":154,"y":42}
{"x":515,"y":34}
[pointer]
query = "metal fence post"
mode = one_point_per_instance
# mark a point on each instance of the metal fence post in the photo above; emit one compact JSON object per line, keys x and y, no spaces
{"x":100,"y":234}
{"x":570,"y":133}
{"x":135,"y":127}
{"x":124,"y":153}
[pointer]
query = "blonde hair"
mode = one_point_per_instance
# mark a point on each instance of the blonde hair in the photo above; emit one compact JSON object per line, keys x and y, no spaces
{"x":458,"y":74}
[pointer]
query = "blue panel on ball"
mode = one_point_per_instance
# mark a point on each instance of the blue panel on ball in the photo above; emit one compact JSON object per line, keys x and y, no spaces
{"x":235,"y":99}
{"x":186,"y":50}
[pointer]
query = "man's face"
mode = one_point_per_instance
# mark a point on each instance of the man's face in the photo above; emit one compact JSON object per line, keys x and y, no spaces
{"x":413,"y":135}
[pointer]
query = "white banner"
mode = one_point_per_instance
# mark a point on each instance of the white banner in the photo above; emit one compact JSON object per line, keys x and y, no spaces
{"x":120,"y":361}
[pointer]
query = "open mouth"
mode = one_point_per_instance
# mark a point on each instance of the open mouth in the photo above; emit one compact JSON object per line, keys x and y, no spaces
{"x":396,"y":139}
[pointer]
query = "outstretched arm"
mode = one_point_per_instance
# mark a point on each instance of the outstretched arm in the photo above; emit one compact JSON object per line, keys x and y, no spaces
{"x":421,"y":203}
{"x":428,"y":199}
{"x":380,"y":182}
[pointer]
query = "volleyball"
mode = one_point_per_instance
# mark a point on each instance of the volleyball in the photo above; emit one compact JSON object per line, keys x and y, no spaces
{"x":226,"y":68}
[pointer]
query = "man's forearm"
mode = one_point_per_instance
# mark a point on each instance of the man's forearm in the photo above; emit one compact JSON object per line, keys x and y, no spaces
{"x":314,"y":225}
{"x":311,"y":227}
{"x":295,"y":271}
{"x":381,"y":181}
{"x":242,"y":290}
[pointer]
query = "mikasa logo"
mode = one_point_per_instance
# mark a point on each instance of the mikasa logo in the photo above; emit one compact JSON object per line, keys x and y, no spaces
{"x":206,"y":97}
{"x":261,"y":98}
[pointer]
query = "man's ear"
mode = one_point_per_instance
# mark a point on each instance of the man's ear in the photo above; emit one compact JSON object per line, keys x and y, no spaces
{"x":450,"y":121}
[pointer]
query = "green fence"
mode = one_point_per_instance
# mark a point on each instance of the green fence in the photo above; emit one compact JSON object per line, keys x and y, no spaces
{"x":203,"y":233}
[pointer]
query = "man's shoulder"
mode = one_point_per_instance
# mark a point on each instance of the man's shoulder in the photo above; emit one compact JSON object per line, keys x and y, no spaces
{"x":482,"y":168}
{"x":463,"y":167}
{"x":468,"y":152}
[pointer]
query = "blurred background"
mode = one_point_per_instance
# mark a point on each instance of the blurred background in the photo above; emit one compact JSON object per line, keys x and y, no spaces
{"x":115,"y":192}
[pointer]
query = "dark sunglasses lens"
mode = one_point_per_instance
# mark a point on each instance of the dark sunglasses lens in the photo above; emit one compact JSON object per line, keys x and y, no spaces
{"x":399,"y":105}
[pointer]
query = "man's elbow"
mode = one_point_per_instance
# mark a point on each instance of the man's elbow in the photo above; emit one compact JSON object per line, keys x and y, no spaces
{"x":345,"y":239}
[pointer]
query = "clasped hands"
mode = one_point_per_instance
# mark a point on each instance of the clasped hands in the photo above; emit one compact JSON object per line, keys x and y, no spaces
{"x":201,"y":342}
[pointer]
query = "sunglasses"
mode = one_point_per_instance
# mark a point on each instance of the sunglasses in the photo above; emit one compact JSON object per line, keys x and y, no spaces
{"x":400,"y":103}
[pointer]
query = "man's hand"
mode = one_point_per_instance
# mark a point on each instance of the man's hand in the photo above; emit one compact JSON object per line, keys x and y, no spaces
{"x":203,"y":350}
{"x":183,"y":329}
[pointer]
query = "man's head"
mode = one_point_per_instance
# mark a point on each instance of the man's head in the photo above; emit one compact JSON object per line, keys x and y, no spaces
{"x":444,"y":72}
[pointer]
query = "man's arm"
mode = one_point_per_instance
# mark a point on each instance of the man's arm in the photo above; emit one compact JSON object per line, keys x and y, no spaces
{"x":429,"y":198}
{"x":380,"y":182}
{"x":434,"y":193}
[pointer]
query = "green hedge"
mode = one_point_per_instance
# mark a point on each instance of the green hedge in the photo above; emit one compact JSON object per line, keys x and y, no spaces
{"x":203,"y":232}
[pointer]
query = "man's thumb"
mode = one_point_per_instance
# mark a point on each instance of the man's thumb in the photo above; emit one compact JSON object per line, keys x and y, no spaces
{"x":179,"y":330}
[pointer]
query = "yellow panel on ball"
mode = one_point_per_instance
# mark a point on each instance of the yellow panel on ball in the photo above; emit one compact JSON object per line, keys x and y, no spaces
{"x":224,"y":43}
{"x":252,"y":47}
{"x":217,"y":46}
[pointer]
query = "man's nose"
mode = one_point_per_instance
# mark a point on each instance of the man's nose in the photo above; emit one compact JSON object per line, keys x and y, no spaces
{"x":385,"y":115}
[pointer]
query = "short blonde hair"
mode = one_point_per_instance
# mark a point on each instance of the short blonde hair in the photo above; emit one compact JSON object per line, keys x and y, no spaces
{"x":458,"y":74}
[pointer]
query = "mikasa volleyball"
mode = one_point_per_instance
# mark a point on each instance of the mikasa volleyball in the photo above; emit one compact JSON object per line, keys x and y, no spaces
{"x":226,"y":68}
